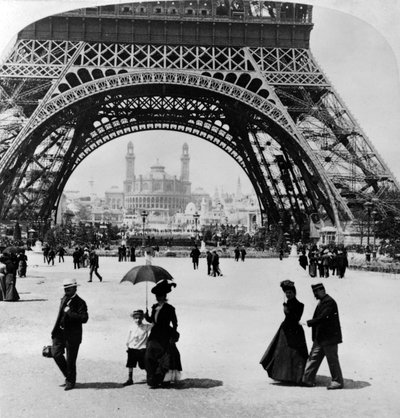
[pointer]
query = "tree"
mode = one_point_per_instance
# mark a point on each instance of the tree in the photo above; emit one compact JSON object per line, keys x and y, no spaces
{"x":17,"y":232}
{"x":50,"y":238}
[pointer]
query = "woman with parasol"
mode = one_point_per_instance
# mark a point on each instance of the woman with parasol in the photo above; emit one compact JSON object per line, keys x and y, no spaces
{"x":162,"y":359}
{"x":286,"y":356}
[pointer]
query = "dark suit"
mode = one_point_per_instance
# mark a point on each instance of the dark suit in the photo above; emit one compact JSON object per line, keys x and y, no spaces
{"x":67,"y":335}
{"x":326,"y":335}
{"x":94,"y":266}
{"x":195,"y":254}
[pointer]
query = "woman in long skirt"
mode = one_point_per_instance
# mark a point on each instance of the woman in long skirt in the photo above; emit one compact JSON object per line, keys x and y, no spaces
{"x":286,"y":355}
{"x":162,"y":358}
{"x":10,"y":278}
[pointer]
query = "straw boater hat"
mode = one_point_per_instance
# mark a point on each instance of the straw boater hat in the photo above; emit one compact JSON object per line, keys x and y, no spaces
{"x":70,"y":283}
{"x":138,"y":313}
{"x":162,"y":288}
{"x":317,"y":286}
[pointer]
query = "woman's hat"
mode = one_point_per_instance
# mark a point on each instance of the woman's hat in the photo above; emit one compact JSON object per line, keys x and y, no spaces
{"x":69,"y":283}
{"x":138,"y":313}
{"x":287,"y":285}
{"x":162,"y":288}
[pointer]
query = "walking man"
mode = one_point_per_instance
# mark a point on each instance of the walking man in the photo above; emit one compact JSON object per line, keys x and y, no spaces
{"x":326,"y":335}
{"x":67,"y":332}
{"x":61,"y":252}
{"x":195,"y":254}
{"x":94,"y":265}
{"x":76,"y":257}
{"x":237,"y":253}
{"x":242,"y":254}
{"x":209,"y":262}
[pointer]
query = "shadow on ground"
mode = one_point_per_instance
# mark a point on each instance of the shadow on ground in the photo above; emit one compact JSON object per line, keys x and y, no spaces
{"x":99,"y":385}
{"x":198,"y":384}
{"x":348,"y":383}
{"x":33,"y":300}
{"x":324,"y":381}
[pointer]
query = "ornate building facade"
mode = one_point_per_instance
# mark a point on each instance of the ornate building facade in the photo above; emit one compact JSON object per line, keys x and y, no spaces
{"x":157,"y":192}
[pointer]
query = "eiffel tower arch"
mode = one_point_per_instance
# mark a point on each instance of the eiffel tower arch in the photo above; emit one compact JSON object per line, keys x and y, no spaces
{"x":236,"y":73}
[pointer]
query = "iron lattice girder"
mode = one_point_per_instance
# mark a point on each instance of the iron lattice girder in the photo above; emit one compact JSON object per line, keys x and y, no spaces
{"x":335,"y":138}
{"x":110,"y":116}
{"x":80,"y":70}
{"x":55,"y":105}
{"x":279,"y":66}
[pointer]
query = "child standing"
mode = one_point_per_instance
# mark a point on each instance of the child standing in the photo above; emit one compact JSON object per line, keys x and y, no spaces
{"x":136,"y":344}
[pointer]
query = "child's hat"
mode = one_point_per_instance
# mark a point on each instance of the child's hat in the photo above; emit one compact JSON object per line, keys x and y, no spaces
{"x":138,"y":313}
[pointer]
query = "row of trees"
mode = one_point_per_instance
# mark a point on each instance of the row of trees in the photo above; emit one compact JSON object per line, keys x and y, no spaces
{"x":385,"y":230}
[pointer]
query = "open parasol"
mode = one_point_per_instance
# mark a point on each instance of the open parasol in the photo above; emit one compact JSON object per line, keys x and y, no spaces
{"x":11,"y":250}
{"x":146,"y":273}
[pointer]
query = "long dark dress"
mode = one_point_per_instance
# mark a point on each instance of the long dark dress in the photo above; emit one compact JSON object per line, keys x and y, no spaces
{"x":3,"y":273}
{"x":287,"y":353}
{"x":162,"y":354}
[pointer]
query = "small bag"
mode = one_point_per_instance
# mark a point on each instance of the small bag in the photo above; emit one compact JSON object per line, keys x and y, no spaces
{"x":46,"y":352}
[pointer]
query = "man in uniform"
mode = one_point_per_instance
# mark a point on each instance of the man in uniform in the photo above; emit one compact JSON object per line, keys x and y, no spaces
{"x":326,"y":335}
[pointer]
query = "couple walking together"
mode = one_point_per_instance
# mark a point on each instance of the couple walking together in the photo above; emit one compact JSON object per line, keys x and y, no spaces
{"x":287,"y":359}
{"x":156,"y":352}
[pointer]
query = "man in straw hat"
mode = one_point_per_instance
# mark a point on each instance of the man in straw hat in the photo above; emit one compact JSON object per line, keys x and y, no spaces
{"x":67,"y":331}
{"x":326,"y":335}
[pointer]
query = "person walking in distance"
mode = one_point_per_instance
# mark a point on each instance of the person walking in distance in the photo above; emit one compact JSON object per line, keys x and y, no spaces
{"x":61,"y":252}
{"x":67,"y":332}
{"x":195,"y":255}
{"x":242,"y":253}
{"x":326,"y":335}
{"x":209,"y":262}
{"x":94,"y":265}
{"x":237,"y":253}
{"x":76,"y":257}
{"x":215,"y":264}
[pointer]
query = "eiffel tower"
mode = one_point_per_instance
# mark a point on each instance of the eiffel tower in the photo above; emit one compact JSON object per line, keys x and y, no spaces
{"x":236,"y":73}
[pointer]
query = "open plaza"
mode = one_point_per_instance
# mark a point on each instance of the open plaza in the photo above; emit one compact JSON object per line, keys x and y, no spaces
{"x":226,"y":324}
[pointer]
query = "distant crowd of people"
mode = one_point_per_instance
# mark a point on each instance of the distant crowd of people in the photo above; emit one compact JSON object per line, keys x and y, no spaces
{"x":323,"y":262}
{"x":49,"y":254}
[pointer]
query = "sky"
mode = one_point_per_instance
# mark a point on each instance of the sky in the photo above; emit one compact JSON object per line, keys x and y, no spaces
{"x":357,"y":44}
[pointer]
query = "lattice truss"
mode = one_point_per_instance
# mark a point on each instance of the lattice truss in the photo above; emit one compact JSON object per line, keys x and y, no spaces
{"x":348,"y":157}
{"x":112,"y":116}
{"x":289,"y":78}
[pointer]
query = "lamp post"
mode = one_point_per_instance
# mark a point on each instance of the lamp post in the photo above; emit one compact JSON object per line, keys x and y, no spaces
{"x":368,"y":206}
{"x":374,"y":213}
{"x":31,"y":233}
{"x":196,"y":217}
{"x":144,"y":215}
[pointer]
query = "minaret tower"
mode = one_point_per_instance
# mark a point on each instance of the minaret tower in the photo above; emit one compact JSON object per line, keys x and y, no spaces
{"x":185,"y":159}
{"x":238,"y":190}
{"x":130,"y":169}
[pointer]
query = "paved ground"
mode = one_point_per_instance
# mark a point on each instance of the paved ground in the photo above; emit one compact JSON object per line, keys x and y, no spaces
{"x":225,"y":323}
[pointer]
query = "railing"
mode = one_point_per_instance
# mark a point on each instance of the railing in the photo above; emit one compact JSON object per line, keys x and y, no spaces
{"x":250,"y":11}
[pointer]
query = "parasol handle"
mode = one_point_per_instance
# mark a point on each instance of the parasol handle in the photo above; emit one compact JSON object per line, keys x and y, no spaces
{"x":146,"y":294}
